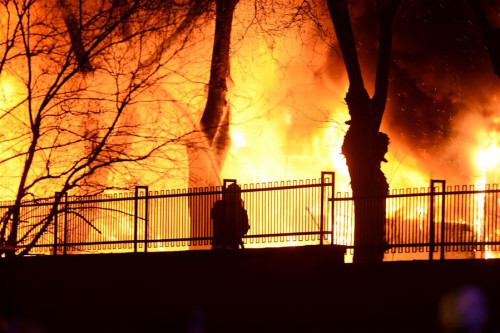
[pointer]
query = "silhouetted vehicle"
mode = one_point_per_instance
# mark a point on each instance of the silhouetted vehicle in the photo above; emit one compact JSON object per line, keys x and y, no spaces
{"x":230,"y":220}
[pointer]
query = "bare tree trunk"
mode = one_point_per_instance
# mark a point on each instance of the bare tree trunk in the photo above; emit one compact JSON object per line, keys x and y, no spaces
{"x":207,"y":156}
{"x":364,"y":146}
{"x":49,"y":139}
{"x":368,"y":183}
{"x":21,"y":192}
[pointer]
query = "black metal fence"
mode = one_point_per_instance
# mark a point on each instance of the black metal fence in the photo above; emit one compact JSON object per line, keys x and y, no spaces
{"x":426,"y":223}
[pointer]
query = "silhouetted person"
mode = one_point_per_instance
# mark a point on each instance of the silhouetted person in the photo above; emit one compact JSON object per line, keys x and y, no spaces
{"x":230,"y":220}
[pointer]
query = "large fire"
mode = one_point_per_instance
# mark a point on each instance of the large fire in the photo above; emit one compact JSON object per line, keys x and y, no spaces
{"x":288,"y":115}
{"x":488,"y":161}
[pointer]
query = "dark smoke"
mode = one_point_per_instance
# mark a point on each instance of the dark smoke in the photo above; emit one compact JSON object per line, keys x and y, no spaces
{"x":441,"y":74}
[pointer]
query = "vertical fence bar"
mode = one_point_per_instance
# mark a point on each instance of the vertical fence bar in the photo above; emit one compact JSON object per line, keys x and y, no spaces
{"x":55,"y":223}
{"x":324,"y":175}
{"x":443,"y":203}
{"x":146,"y":217}
{"x":65,"y":240}
{"x":322,"y":197}
{"x":494,"y":213}
{"x":432,"y":225}
{"x":332,"y":212}
{"x":136,"y":209}
{"x":136,"y":217}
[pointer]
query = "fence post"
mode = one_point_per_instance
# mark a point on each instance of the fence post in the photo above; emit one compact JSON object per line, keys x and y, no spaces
{"x":432,"y":226}
{"x":324,"y":175}
{"x":55,"y":224}
{"x":333,"y":206}
{"x":146,"y":218}
{"x":136,"y":217}
{"x":65,"y":241}
{"x":136,"y":210}
{"x":443,"y":225}
{"x":225,"y":184}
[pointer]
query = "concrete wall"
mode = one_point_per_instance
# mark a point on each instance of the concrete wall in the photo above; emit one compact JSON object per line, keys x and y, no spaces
{"x":305,"y":289}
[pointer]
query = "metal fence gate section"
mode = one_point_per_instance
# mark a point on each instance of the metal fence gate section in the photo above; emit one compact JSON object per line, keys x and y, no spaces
{"x":438,"y":222}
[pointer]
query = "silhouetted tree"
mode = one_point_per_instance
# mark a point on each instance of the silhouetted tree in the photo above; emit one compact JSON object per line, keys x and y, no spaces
{"x":207,"y":155}
{"x":82,"y":73}
{"x":364,"y":145}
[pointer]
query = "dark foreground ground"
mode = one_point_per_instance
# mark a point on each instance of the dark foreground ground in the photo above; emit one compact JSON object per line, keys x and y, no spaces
{"x":270,"y":290}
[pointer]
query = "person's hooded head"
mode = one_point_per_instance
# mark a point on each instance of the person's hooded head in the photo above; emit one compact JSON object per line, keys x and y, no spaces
{"x":233,"y":192}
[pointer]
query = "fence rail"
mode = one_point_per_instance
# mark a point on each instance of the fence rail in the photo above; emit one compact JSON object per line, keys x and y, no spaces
{"x":426,"y":223}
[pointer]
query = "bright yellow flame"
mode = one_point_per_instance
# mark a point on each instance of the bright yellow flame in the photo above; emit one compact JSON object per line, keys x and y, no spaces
{"x":237,"y":138}
{"x":10,"y":91}
{"x":489,"y":156}
{"x":487,"y":159}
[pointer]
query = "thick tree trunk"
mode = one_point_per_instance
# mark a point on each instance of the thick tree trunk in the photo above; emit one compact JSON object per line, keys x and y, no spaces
{"x":364,"y":153}
{"x":364,"y":146}
{"x":207,"y":156}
